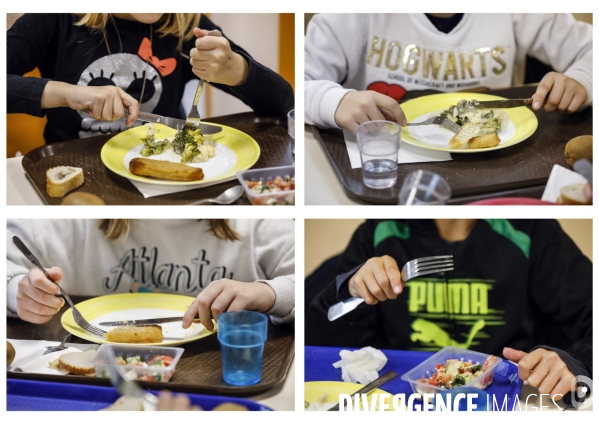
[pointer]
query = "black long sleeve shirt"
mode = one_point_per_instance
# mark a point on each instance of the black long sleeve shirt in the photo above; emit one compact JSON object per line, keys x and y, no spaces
{"x":516,"y":283}
{"x":76,"y":55}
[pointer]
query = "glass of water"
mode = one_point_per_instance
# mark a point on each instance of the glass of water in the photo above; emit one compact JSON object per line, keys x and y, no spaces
{"x":378,"y":142}
{"x":242,"y":335}
{"x":424,"y":188}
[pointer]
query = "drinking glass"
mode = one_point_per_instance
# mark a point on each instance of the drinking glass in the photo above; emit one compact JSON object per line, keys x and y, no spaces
{"x":378,"y":142}
{"x":242,"y":335}
{"x":423,"y":187}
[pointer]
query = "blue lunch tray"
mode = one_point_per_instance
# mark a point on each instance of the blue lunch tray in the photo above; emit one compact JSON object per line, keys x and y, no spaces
{"x":27,"y":395}
{"x":318,"y":366}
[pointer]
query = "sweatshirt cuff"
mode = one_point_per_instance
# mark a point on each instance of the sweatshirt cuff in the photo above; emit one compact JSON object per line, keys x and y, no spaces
{"x":582,"y":79}
{"x":573,"y":364}
{"x":284,"y":308}
{"x":326,"y":99}
{"x":341,"y":283}
{"x":11,"y":295}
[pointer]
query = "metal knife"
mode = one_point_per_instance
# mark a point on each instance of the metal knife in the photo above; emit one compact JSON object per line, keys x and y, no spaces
{"x":144,"y":321}
{"x":207,"y":129}
{"x":342,"y":308}
{"x":388,"y":376}
{"x":500,"y":104}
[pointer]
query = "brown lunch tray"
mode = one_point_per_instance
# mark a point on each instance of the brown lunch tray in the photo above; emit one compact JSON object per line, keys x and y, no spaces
{"x":276,"y":149}
{"x":520,"y":170}
{"x":198,"y":371}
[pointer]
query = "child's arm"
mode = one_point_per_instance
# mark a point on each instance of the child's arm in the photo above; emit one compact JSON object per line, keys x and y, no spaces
{"x":561,"y":296}
{"x":227,"y":295}
{"x":29,"y":42}
{"x":259,"y":87}
{"x":565,"y":44}
{"x":331,"y":54}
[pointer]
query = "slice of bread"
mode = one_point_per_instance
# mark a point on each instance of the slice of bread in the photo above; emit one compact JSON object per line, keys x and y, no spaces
{"x":484,"y":141}
{"x":126,"y":403}
{"x":77,"y":362}
{"x":467,"y":132}
{"x":573,"y":194}
{"x":62,"y":179}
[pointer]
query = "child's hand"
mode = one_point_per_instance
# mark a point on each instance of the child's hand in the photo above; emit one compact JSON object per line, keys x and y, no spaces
{"x":379,"y":279}
{"x":560,"y":93}
{"x":543,"y":369}
{"x":228,"y":295}
{"x":169,"y":402}
{"x":357,"y":107}
{"x":213,"y":60}
{"x":107,"y":103}
{"x":36,"y":300}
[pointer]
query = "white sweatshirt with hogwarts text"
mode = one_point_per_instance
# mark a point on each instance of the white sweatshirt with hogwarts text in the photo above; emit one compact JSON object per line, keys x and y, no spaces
{"x":395,"y":53}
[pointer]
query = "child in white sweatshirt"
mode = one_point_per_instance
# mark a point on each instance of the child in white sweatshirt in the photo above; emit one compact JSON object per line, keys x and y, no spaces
{"x":358,"y":66}
{"x":227,"y":265}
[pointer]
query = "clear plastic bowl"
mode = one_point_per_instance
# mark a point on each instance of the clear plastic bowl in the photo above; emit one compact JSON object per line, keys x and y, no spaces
{"x":286,"y":197}
{"x":147,"y":353}
{"x":427,"y":368}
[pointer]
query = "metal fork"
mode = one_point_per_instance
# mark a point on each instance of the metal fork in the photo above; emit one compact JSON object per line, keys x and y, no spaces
{"x":78,"y":317}
{"x":439,"y":120}
{"x":124,"y":385}
{"x":193,"y":119}
{"x":412,"y":269}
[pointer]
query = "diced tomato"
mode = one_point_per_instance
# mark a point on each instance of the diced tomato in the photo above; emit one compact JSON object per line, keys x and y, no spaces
{"x":165,"y":358}
{"x":148,"y":377}
{"x":252,"y":183}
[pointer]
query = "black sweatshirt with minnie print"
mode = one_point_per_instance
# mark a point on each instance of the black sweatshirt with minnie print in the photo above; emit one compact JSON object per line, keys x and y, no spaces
{"x":516,"y":283}
{"x":77,"y":55}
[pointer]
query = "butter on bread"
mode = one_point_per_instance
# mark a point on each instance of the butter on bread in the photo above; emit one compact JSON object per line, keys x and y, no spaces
{"x":62,"y":179}
{"x":467,"y":132}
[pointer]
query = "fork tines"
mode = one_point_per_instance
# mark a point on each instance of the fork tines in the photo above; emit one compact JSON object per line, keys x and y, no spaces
{"x":433,"y":264}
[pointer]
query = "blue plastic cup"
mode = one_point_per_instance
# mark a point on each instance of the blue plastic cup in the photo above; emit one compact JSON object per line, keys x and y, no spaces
{"x":242,"y":335}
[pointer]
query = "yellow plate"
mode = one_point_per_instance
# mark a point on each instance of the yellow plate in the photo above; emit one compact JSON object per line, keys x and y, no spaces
{"x":523,"y":122}
{"x":127,"y":306}
{"x":315,"y":389}
{"x":236,"y":151}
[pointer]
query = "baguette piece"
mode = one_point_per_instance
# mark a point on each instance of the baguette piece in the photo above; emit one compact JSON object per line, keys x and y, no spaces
{"x":573,"y":194}
{"x":468,"y":131}
{"x":77,"y":362}
{"x":164,"y":169}
{"x":484,"y":141}
{"x":62,"y":179}
{"x":135,"y":334}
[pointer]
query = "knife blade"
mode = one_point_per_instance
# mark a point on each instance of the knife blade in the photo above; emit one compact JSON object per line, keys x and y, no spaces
{"x":388,"y":376}
{"x":144,"y":321}
{"x":341,"y":308}
{"x":207,"y":129}
{"x":500,"y":104}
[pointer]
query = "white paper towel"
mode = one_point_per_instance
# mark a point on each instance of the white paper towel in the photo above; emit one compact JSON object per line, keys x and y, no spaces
{"x":559,"y":178}
{"x":407,"y":152}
